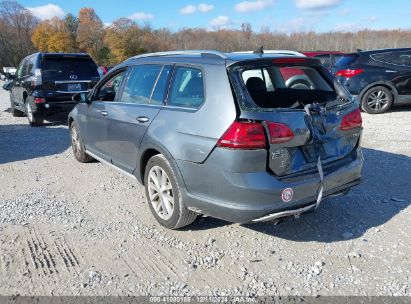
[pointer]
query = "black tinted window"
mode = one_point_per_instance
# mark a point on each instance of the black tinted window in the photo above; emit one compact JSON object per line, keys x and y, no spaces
{"x":161,"y":86}
{"x":140,"y":84}
{"x":397,"y":58}
{"x":324,"y":59}
{"x":346,"y":60}
{"x":188,"y":88}
{"x":63,"y":68}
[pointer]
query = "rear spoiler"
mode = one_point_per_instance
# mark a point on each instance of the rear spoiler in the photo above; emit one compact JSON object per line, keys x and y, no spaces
{"x":66,"y":55}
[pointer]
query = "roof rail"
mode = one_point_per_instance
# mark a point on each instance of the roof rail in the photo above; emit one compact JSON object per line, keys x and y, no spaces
{"x":187,"y":52}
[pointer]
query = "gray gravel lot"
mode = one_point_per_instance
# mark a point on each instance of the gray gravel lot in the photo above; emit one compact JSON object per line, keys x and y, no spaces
{"x":83,"y":229}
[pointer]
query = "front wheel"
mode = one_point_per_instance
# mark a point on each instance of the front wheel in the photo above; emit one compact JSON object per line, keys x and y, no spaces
{"x":33,"y":119}
{"x":77,"y":144}
{"x":164,"y":196}
{"x":377,"y":100}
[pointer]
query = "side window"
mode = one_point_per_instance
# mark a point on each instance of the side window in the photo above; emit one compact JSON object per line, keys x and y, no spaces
{"x":22,"y":71}
{"x":384,"y":57}
{"x":188,"y":88}
{"x":161,"y":86}
{"x":140,"y":83}
{"x":31,"y":65}
{"x":402,"y":58}
{"x":110,"y":88}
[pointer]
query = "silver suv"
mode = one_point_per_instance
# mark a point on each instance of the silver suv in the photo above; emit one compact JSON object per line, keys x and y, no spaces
{"x":244,"y":137}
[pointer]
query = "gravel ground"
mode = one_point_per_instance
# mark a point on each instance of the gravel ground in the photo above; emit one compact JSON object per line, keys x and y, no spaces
{"x":83,"y":229}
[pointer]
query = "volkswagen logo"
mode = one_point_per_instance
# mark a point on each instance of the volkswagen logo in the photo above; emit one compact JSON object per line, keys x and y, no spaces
{"x":73,"y":77}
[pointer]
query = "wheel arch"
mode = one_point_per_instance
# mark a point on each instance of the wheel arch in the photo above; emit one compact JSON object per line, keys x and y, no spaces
{"x":385,"y":84}
{"x":149,"y":150}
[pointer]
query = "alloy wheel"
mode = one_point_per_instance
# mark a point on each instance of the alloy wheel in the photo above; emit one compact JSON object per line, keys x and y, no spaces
{"x":378,"y":100}
{"x":75,"y":142}
{"x":160,"y":192}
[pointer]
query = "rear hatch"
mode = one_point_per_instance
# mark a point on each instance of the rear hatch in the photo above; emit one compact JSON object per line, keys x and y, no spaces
{"x":305,"y":113}
{"x":64,"y":75}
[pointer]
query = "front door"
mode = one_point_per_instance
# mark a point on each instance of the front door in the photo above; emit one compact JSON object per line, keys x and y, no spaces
{"x":95,"y":114}
{"x":134,"y":111}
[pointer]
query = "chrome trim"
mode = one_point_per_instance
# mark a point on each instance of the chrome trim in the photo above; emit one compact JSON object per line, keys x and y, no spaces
{"x":72,"y":81}
{"x":111,"y":165}
{"x":285,"y":213}
{"x":71,"y":92}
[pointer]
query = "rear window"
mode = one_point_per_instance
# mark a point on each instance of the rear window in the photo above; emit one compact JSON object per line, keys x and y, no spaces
{"x":346,"y":60}
{"x":63,"y":68}
{"x":284,"y":86}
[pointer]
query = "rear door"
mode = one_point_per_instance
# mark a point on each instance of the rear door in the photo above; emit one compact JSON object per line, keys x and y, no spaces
{"x":17,"y":90}
{"x":141,"y":99}
{"x":303,"y":121}
{"x":402,"y":80}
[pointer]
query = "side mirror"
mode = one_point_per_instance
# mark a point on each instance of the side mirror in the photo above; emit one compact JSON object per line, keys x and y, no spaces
{"x":79,"y":97}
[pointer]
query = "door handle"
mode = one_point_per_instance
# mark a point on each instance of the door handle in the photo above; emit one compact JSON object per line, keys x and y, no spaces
{"x":142,"y":119}
{"x":104,"y":113}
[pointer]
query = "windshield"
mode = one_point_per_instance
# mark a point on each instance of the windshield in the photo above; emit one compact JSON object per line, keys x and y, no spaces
{"x":285,"y":86}
{"x":60,"y":68}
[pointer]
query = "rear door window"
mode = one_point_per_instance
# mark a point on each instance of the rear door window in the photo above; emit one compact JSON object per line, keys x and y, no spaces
{"x":140,"y":84}
{"x":69,"y":68}
{"x":161,"y":86}
{"x":187,"y":89}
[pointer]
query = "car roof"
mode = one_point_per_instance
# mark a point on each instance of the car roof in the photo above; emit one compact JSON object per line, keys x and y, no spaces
{"x":210,"y":56}
{"x":369,"y":52}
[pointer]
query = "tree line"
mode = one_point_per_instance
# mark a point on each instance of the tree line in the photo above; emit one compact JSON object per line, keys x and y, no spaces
{"x":21,"y":34}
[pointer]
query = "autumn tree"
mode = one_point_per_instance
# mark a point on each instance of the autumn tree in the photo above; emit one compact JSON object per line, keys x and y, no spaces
{"x":53,"y":36}
{"x":90,"y":33}
{"x":124,"y":38}
{"x":16,"y":26}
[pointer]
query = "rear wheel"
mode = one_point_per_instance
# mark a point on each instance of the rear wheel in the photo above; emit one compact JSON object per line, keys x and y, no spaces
{"x":164,"y":196}
{"x":77,"y":145}
{"x":377,"y":100}
{"x":33,"y":119}
{"x":14,"y":111}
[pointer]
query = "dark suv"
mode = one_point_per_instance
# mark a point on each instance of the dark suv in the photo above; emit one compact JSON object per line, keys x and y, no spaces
{"x":380,"y":78}
{"x":45,"y":83}
{"x":223,"y":134}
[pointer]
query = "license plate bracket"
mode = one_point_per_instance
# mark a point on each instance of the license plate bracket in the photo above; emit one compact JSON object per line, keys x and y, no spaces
{"x":74,"y":87}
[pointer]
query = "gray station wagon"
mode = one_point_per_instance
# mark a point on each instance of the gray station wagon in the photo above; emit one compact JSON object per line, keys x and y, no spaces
{"x":223,"y":134}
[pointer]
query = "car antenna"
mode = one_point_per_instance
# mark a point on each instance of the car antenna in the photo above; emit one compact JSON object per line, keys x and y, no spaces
{"x":259,"y":51}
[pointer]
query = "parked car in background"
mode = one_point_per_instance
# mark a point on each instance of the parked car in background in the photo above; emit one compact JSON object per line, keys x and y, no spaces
{"x":206,"y":138}
{"x":45,"y":82}
{"x":379,"y":78}
{"x":327,"y":58}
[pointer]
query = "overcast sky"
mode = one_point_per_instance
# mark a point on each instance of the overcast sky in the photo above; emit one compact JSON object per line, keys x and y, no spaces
{"x":278,"y":15}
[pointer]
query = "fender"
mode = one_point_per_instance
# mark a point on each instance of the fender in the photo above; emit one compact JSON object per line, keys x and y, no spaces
{"x":147,"y":145}
{"x":377,"y":83}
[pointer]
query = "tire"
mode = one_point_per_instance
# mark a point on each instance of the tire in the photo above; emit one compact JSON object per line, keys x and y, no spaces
{"x":14,"y":111}
{"x":33,"y":119}
{"x":77,"y":145}
{"x":168,"y":209}
{"x":377,"y":100}
{"x":300,"y":84}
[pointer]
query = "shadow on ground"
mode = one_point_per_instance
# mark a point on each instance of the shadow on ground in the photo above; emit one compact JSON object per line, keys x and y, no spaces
{"x":384,"y":192}
{"x":22,"y":142}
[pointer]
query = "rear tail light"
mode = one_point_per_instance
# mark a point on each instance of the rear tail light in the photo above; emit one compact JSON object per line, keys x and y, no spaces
{"x":348,"y":73}
{"x":279,"y":133}
{"x":243,"y":135}
{"x":39,"y":100}
{"x":37,"y":80}
{"x":351,"y":121}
